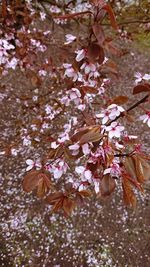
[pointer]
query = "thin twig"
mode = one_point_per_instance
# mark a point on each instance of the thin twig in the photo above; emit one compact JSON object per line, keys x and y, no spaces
{"x":129,"y":109}
{"x":122,"y":155}
{"x":138,"y":103}
{"x":72,"y":15}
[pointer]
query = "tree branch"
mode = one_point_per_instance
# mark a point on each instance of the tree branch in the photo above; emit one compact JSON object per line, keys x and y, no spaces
{"x":138,"y":103}
{"x":129,"y":109}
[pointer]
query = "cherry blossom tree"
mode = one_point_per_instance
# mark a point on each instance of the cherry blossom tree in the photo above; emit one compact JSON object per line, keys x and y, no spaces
{"x":93,"y":152}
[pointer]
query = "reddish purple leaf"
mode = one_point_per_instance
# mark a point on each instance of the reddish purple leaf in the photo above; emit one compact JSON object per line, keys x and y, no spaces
{"x":99,"y":33}
{"x":141,"y":88}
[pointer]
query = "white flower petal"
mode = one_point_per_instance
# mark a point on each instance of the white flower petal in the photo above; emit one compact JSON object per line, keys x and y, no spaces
{"x":117,"y":133}
{"x":54,"y":145}
{"x":120,"y":128}
{"x":67,"y":65}
{"x":112,"y":106}
{"x":83,"y":66}
{"x":114,"y":124}
{"x":81,"y":107}
{"x":93,"y":67}
{"x":86,"y":150}
{"x":30,"y":167}
{"x":143,"y":117}
{"x":29,"y":162}
{"x":106,"y":171}
{"x":105,"y":119}
{"x":111,"y":134}
{"x":70,"y":38}
{"x":96,"y":187}
{"x":79,"y":169}
{"x":138,"y":75}
{"x":99,"y":115}
{"x":88,"y":174}
{"x":87,"y":69}
{"x":146,"y":77}
{"x":57,"y":173}
{"x":74,"y":147}
{"x":80,"y":55}
{"x":121,"y":109}
{"x":81,"y":187}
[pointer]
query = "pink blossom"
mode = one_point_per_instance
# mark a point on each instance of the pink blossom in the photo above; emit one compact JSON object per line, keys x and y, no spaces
{"x":80,"y":54}
{"x":70,"y":72}
{"x":85,"y":174}
{"x":139,"y":77}
{"x":105,"y":115}
{"x":90,"y":82}
{"x":65,"y":100}
{"x":114,"y":130}
{"x":146,"y":118}
{"x":115,"y":109}
{"x":48,"y":109}
{"x":42,"y":48}
{"x":4,"y":47}
{"x":33,"y":164}
{"x":43,"y":16}
{"x":54,"y":145}
{"x":94,"y":74}
{"x":14,"y":152}
{"x":105,"y":60}
{"x":60,"y":21}
{"x":114,"y":170}
{"x":101,"y":90}
{"x":12,"y":63}
{"x":42,"y":72}
{"x":74,"y":148}
{"x":70,"y":38}
{"x":63,"y":137}
{"x":46,"y":32}
{"x":4,"y":44}
{"x":81,"y":107}
{"x":146,"y":77}
{"x":94,"y":157}
{"x":88,"y":67}
{"x":26,"y":140}
{"x":112,"y":112}
{"x":45,"y":125}
{"x":75,"y":95}
{"x":55,"y":9}
{"x":59,"y":168}
{"x":86,"y":149}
